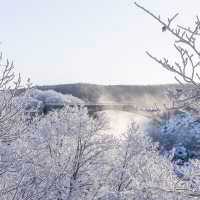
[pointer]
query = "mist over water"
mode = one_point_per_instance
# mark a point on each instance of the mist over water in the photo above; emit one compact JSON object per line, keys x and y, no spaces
{"x":119,"y":121}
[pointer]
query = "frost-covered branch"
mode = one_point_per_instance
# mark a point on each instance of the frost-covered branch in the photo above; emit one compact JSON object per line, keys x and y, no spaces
{"x":186,"y":40}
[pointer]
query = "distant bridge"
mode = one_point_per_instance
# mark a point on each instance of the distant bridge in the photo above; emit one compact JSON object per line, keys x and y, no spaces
{"x":101,"y":107}
{"x":93,"y":108}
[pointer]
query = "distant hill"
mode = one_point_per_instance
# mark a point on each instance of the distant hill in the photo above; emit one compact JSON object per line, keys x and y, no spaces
{"x":139,"y":95}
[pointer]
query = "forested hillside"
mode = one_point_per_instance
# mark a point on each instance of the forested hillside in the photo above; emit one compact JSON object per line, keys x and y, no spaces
{"x":139,"y":95}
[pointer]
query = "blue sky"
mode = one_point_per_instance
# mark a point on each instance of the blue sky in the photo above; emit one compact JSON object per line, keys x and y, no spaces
{"x":93,"y":41}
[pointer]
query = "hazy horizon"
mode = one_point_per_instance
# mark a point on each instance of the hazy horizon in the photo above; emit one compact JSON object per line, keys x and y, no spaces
{"x":102,"y":84}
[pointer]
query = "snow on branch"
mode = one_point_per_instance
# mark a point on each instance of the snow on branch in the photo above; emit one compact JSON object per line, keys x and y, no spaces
{"x":186,"y":40}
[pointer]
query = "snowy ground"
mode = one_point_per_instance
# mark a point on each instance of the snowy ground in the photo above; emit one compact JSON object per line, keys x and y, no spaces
{"x":120,"y":120}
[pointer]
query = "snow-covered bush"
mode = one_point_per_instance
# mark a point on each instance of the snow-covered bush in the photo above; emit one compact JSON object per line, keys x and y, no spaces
{"x":39,"y":101}
{"x":29,"y":104}
{"x":51,"y":97}
{"x":48,"y":97}
{"x":181,"y":129}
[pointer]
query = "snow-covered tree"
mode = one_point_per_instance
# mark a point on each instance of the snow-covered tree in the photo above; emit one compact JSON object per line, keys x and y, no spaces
{"x":61,"y":157}
{"x":9,"y":110}
{"x":181,"y":129}
{"x":138,"y":171}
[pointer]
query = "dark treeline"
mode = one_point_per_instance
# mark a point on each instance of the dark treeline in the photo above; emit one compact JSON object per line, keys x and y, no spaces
{"x":91,"y":93}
